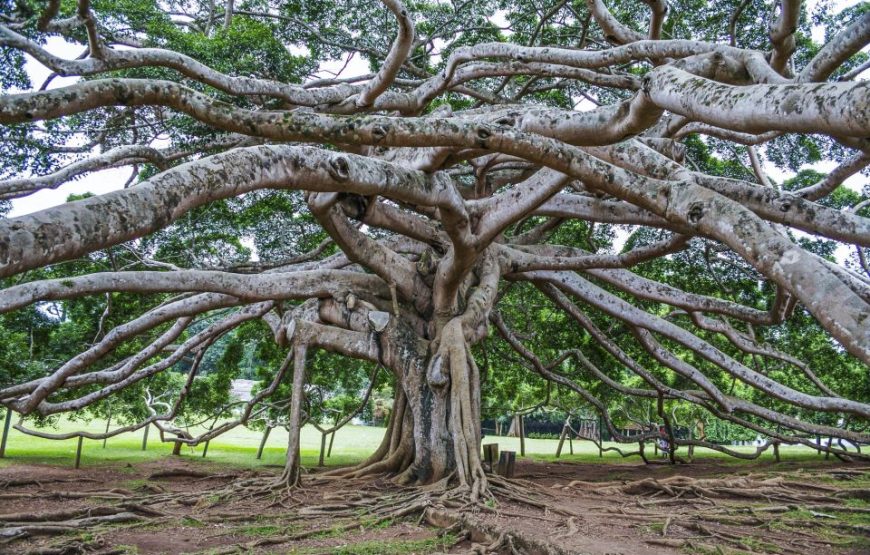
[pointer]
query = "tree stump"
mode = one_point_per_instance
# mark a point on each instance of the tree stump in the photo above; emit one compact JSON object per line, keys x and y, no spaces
{"x":490,"y":455}
{"x":506,"y":462}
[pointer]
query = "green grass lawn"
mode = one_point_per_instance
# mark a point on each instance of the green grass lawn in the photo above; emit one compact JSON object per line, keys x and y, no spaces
{"x":238,"y":447}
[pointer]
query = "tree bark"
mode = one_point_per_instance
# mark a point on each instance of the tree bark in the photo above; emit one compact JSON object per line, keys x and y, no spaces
{"x":292,"y":465}
{"x":7,"y":422}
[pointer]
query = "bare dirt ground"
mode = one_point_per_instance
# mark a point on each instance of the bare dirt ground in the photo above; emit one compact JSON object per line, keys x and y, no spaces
{"x":179,"y":505}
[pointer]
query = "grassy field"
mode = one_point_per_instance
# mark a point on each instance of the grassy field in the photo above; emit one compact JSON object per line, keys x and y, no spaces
{"x":238,"y":447}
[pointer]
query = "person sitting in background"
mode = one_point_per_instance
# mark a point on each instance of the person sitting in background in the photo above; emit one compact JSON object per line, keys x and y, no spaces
{"x":664,"y":444}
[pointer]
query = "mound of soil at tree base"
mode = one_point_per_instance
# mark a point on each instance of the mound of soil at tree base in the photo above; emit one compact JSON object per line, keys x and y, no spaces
{"x":170,"y":506}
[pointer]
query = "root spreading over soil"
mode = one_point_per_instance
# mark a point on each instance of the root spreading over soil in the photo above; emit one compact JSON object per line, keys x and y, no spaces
{"x":186,"y":506}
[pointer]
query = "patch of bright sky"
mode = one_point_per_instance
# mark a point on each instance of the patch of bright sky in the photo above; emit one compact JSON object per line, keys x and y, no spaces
{"x":112,"y":179}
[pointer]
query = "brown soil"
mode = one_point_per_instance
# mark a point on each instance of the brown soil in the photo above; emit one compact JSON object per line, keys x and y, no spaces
{"x":592,"y":509}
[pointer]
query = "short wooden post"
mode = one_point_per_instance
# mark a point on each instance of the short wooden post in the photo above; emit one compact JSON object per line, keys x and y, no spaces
{"x":490,"y":455}
{"x":145,"y":437}
{"x":263,"y":442}
{"x":331,"y":439}
{"x":79,"y":452}
{"x":506,"y":462}
{"x":6,"y":424}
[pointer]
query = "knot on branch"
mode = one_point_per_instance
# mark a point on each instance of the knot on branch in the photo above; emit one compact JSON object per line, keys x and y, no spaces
{"x":353,"y":206}
{"x":379,"y":132}
{"x":696,"y":212}
{"x":339,"y":168}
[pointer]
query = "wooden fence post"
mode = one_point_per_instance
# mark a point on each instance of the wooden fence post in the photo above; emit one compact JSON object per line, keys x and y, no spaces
{"x":490,"y":455}
{"x":506,"y":462}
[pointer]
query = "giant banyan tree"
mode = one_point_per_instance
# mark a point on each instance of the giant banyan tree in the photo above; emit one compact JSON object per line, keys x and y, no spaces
{"x":479,"y":164}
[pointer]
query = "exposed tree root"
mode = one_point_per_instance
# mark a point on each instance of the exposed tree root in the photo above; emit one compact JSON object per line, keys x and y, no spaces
{"x":103,"y":495}
{"x":77,"y":547}
{"x":718,"y":511}
{"x":5,"y":484}
{"x":16,"y":531}
{"x":706,"y":510}
{"x":181,"y":473}
{"x":709,"y":489}
{"x":489,"y":537}
{"x":711,"y":511}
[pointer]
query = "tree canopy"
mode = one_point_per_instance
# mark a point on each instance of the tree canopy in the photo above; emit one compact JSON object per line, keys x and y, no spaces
{"x":557,"y":203}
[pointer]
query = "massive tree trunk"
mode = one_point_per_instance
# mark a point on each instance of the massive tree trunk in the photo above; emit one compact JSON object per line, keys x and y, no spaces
{"x":445,"y":404}
{"x":434,"y":428}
